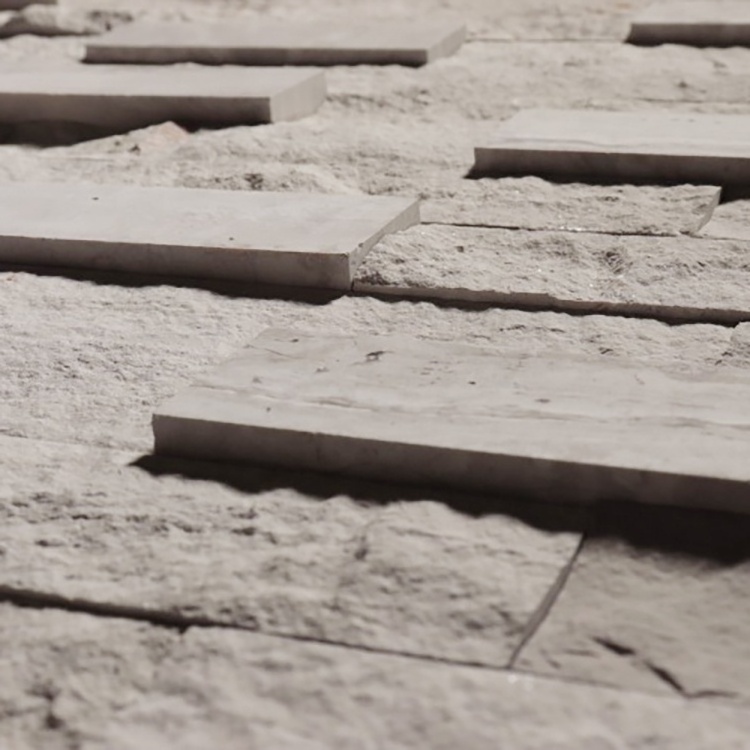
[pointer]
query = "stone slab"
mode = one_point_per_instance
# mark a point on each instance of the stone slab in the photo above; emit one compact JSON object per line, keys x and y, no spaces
{"x":18,"y":4}
{"x":297,"y":239}
{"x":406,"y":409}
{"x":442,"y":575}
{"x":132,"y":97}
{"x":717,"y":23}
{"x":668,"y":278}
{"x":532,"y":203}
{"x":242,"y":42}
{"x":648,"y":146}
{"x":109,"y":683}
{"x":654,"y":602}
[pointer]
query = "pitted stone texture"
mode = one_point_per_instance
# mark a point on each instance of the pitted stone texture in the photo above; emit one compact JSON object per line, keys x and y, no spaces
{"x":680,"y":278}
{"x":718,"y":23}
{"x":123,"y":98}
{"x":446,"y":576}
{"x":97,"y":682}
{"x":257,"y":237}
{"x":448,"y":414}
{"x":271,"y":42}
{"x":655,"y":602}
{"x":62,"y":383}
{"x":51,"y":20}
{"x":656,"y":146}
{"x":532,"y":203}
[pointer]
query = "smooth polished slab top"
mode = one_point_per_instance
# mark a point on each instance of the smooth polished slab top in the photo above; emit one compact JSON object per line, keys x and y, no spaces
{"x":652,"y":146}
{"x":295,"y":239}
{"x":272,"y":42}
{"x":399,"y":408}
{"x":718,"y":23}
{"x":131,"y":97}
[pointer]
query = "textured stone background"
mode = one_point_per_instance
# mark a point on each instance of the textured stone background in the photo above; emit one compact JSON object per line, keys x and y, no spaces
{"x":164,"y":604}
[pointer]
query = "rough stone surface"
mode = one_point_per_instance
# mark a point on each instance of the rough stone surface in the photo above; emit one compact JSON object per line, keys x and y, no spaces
{"x":671,"y":278}
{"x":50,"y":20}
{"x":295,"y":239}
{"x":94,"y":682}
{"x":654,"y":602}
{"x":720,"y":23}
{"x":259,"y":42}
{"x":657,"y":146}
{"x":448,"y":576}
{"x":533,"y":203}
{"x":86,"y":358}
{"x":16,"y":4}
{"x":468,"y":417}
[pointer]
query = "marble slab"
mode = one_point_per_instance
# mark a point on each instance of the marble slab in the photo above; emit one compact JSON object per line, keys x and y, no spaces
{"x":260,"y":237}
{"x":270,"y":42}
{"x":716,"y":23}
{"x":132,"y":97}
{"x":407,"y":409}
{"x":647,"y":146}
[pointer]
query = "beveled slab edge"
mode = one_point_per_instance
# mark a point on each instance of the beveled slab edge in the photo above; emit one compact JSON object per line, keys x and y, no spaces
{"x":299,"y":100}
{"x":408,"y":217}
{"x":180,"y":433}
{"x":558,"y":161}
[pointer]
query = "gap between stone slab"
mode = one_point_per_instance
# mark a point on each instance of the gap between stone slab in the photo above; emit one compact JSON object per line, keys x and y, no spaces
{"x":25,"y":599}
{"x":563,"y":230}
{"x":543,"y":304}
{"x":545,"y":607}
{"x":28,"y":599}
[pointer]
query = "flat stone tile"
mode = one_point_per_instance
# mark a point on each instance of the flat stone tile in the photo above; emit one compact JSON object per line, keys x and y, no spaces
{"x":654,"y":146}
{"x":121,"y":685}
{"x":404,"y":409}
{"x":718,"y":23}
{"x":655,"y":601}
{"x":272,"y":42}
{"x":532,"y":203}
{"x":268,"y":238}
{"x":448,"y":576}
{"x":112,"y":97}
{"x":681,"y":278}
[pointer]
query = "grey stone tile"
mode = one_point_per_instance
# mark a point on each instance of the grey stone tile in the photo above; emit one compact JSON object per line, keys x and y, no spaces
{"x":656,"y":146}
{"x":272,"y":42}
{"x":725,"y":23}
{"x":298,"y":239}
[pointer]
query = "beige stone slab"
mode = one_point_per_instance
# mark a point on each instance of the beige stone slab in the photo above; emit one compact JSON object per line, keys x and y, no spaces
{"x":443,"y":575}
{"x":654,"y":602}
{"x":716,"y":23}
{"x":650,"y":146}
{"x":406,"y":409}
{"x":532,"y":203}
{"x":123,"y":685}
{"x":132,"y":97}
{"x":270,"y":42}
{"x":669,"y":278}
{"x":299,"y":239}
